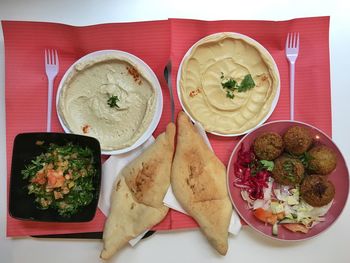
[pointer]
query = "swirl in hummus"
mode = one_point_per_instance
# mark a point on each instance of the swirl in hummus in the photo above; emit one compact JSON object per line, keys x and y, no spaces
{"x":236,"y":57}
{"x":85,"y":101}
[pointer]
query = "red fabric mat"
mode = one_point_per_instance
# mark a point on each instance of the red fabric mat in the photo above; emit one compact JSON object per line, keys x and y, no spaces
{"x":155,"y":42}
{"x":26,"y":85}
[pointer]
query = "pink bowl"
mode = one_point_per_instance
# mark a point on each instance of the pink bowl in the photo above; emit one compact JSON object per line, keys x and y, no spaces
{"x":339,"y":177}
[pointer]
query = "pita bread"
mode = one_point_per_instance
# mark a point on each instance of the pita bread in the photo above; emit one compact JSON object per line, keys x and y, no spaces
{"x":137,"y":198}
{"x":198,"y":179}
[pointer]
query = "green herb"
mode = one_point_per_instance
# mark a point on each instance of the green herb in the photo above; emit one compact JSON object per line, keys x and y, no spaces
{"x":305,"y":158}
{"x":246,"y":84}
{"x":256,"y":166}
{"x":230,"y":85}
{"x":288,"y":167}
{"x":229,"y":94}
{"x":268,"y":165}
{"x":112,"y":101}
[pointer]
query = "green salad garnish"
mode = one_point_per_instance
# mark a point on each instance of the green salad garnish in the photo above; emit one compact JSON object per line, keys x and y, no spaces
{"x":62,"y":178}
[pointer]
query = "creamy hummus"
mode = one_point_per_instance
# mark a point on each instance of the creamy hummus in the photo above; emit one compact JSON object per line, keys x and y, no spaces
{"x":200,"y":84}
{"x":107,"y":98}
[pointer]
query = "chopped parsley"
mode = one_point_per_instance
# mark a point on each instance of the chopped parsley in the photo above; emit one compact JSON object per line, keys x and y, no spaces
{"x":230,"y":85}
{"x":112,"y":101}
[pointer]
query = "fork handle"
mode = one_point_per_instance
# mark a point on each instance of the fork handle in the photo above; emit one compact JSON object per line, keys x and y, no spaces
{"x":49,"y":105}
{"x":292,"y":74}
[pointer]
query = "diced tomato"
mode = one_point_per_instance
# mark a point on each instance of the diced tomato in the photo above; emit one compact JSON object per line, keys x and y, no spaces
{"x":51,"y":181}
{"x":265,"y":216}
{"x":55,"y":179}
{"x":39,"y":178}
{"x":294,"y":227}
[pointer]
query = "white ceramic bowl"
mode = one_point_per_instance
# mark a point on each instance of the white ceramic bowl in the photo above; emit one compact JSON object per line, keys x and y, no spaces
{"x":251,"y":41}
{"x":148,"y":74}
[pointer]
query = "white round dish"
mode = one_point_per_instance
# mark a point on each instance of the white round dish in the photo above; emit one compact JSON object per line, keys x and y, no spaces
{"x":252,"y":42}
{"x":147,"y":72}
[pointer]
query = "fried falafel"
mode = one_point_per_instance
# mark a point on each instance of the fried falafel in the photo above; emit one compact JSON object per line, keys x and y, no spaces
{"x":297,"y":140}
{"x":288,"y":171}
{"x":268,"y":146}
{"x":317,"y":190}
{"x":323,"y":160}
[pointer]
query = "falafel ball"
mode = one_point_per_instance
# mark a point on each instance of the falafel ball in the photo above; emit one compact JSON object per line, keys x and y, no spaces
{"x":297,"y":140}
{"x":317,"y":190}
{"x":323,"y":160}
{"x":288,"y":171}
{"x":268,"y":146}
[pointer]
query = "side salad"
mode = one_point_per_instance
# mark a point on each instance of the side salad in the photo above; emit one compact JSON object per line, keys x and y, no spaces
{"x":62,"y":178}
{"x":271,"y":202}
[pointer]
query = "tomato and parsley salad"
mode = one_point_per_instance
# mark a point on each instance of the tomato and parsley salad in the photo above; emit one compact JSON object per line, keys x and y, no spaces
{"x":62,"y":178}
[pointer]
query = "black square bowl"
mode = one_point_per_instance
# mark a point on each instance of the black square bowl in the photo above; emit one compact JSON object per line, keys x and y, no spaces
{"x":21,"y":204}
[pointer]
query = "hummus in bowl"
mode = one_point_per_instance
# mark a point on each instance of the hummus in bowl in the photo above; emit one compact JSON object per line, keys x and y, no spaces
{"x":229,"y":83}
{"x":113,"y":96}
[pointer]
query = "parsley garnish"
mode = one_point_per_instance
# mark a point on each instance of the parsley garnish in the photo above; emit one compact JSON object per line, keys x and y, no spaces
{"x":112,"y":101}
{"x":246,"y":84}
{"x":305,"y":158}
{"x":230,"y":85}
{"x":288,"y":167}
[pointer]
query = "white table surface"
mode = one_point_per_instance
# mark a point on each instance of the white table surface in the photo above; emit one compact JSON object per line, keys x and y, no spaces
{"x":189,"y":246}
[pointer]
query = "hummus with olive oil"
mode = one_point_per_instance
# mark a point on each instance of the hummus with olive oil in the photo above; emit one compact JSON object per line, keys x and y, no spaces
{"x":109,"y":99}
{"x":232,"y":57}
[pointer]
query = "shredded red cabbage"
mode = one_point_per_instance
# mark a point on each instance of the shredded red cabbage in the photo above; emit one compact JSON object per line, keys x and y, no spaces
{"x":250,"y":176}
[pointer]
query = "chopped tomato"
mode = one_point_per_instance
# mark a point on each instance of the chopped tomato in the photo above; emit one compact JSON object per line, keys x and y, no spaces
{"x":296,"y":227}
{"x":39,"y":178}
{"x":265,"y":216}
{"x":55,"y":178}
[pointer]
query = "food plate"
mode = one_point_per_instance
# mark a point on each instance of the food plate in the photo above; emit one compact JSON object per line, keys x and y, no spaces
{"x":118,"y":77}
{"x":339,"y":177}
{"x":221,"y":57}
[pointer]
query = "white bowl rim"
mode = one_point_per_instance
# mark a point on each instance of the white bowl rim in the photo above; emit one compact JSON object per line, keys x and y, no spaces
{"x":149,"y":74}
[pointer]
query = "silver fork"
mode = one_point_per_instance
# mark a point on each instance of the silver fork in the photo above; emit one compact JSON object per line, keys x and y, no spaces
{"x":51,"y":68}
{"x":167,"y":76}
{"x":292,"y":50}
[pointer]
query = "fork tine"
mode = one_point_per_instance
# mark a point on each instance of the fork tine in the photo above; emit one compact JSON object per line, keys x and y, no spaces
{"x":297,"y":46}
{"x":290,"y":44}
{"x":45,"y":56}
{"x":295,"y":40}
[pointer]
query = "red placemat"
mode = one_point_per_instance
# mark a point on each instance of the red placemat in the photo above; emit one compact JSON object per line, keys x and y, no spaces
{"x":154,"y":42}
{"x":26,"y":85}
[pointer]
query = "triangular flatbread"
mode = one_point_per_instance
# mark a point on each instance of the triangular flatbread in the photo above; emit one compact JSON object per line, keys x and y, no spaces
{"x":137,"y":197}
{"x":198,"y":179}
